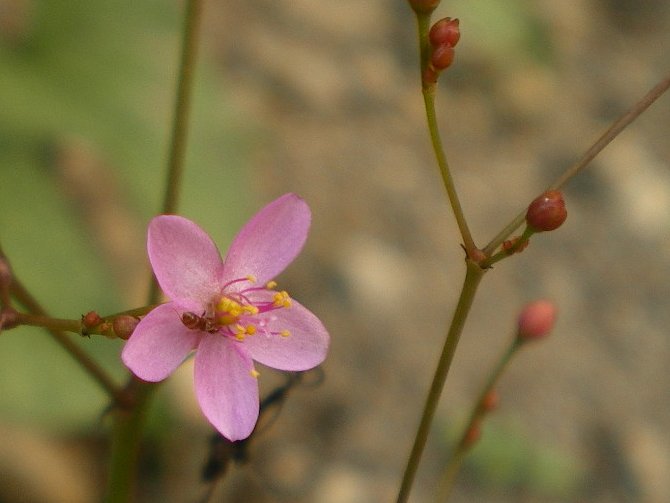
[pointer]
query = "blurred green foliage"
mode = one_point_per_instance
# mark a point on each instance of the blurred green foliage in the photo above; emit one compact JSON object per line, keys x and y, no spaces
{"x":102,"y":73}
{"x":507,"y":461}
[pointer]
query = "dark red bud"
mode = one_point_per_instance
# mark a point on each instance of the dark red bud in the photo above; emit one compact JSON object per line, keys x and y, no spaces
{"x":510,"y":246}
{"x":124,"y":326}
{"x":9,"y":318}
{"x":91,"y":319}
{"x":423,"y":6}
{"x":472,"y":436}
{"x":536,"y":320}
{"x":442,"y":57}
{"x":490,"y":402}
{"x":547,"y":212}
{"x":445,"y":32}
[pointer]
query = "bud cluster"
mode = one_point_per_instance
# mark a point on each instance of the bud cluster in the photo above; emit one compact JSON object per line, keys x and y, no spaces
{"x":443,"y":37}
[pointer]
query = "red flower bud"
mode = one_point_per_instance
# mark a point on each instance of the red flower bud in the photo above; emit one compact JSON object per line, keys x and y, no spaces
{"x":472,"y":435}
{"x":124,"y":326}
{"x":490,"y":401}
{"x":547,"y":212}
{"x":536,"y":320}
{"x":91,"y":319}
{"x":445,"y":31}
{"x":442,"y":57}
{"x":423,"y":6}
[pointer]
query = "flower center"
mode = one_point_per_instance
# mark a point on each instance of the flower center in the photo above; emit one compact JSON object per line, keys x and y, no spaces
{"x":242,"y":313}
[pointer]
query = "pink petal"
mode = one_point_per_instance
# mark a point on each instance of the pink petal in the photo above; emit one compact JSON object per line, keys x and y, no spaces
{"x":159,"y":344}
{"x":226,"y":390}
{"x":303,"y":349}
{"x":184,"y":258}
{"x":269,"y":241}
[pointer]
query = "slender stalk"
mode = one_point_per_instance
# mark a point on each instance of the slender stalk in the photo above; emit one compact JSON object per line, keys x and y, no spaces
{"x":478,"y":411}
{"x":39,"y":320}
{"x":429,"y":103}
{"x":605,"y":139}
{"x":129,"y":423}
{"x":473,"y":276}
{"x":21,"y":294}
{"x":428,"y":90}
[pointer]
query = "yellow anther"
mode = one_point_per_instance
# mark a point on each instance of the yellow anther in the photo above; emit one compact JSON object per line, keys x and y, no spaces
{"x":251,"y":329}
{"x":281,"y":299}
{"x":226,"y":319}
{"x":248,"y":309}
{"x":285,"y":333}
{"x":251,"y":278}
{"x":239,"y":337}
{"x":255,"y":373}
{"x":270,"y":285}
{"x":223,"y":304}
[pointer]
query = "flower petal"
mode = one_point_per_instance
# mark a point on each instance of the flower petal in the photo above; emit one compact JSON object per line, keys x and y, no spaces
{"x":226,"y":390}
{"x":159,"y":344}
{"x":269,"y":241}
{"x":303,"y":349}
{"x":184,"y":258}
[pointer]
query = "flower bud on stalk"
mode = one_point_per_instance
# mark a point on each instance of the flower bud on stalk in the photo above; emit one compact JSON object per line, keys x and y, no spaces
{"x":124,"y":326}
{"x":443,"y":37}
{"x":547,"y":212}
{"x":445,"y":32}
{"x":423,"y":6}
{"x":536,"y":320}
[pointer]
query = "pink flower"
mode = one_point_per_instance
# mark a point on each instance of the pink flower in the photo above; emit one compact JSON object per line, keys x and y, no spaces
{"x":228,"y":311}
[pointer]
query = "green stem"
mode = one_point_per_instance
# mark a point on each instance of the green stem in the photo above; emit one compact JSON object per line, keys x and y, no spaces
{"x":478,"y":411}
{"x":429,"y":103}
{"x":473,"y":276}
{"x":39,"y":320}
{"x":605,"y":139}
{"x":428,"y":90}
{"x":23,"y":296}
{"x":129,"y":423}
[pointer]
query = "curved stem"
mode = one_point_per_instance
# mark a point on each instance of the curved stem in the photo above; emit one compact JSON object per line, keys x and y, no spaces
{"x":129,"y":422}
{"x":473,"y":276}
{"x":478,"y":411}
{"x":605,"y":139}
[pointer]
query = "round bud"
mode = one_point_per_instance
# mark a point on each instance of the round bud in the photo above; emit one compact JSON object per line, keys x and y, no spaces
{"x":472,"y":435}
{"x":511,"y":246}
{"x":124,"y":326}
{"x":423,"y":6}
{"x":442,"y":57}
{"x":445,"y":31}
{"x":490,"y":401}
{"x":91,"y":319}
{"x":547,"y":212}
{"x":9,"y":318}
{"x":536,"y":320}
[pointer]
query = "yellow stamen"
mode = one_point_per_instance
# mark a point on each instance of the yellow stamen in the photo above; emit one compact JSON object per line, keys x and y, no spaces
{"x":251,"y":278}
{"x":250,"y":330}
{"x":254,"y":373}
{"x":270,"y":285}
{"x":226,"y":319}
{"x":285,"y":333}
{"x":281,"y":299}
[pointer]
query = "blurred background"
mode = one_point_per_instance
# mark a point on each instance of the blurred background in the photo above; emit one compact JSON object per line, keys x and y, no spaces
{"x":322,"y":98}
